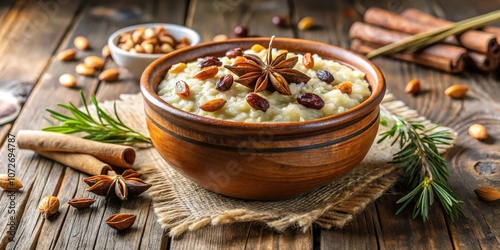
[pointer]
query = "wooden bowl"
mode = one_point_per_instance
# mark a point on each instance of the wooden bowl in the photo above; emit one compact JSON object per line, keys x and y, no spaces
{"x":262,"y":161}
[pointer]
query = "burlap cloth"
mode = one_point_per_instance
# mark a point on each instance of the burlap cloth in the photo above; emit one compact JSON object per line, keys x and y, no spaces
{"x":181,"y":205}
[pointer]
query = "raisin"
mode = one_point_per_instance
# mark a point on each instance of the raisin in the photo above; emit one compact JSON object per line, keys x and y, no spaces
{"x":210,"y":61}
{"x":310,"y":100}
{"x":257,"y":102}
{"x":241,"y":31}
{"x":182,"y":89}
{"x":280,"y":21}
{"x":233,"y":53}
{"x":224,"y":83}
{"x":325,"y":76}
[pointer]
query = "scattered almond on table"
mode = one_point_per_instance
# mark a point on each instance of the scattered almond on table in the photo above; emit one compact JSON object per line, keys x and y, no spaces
{"x":81,"y":43}
{"x":487,"y":193}
{"x":109,"y":75}
{"x":413,"y":86}
{"x":10,"y":183}
{"x":478,"y":131}
{"x":220,"y":37}
{"x":67,"y":80}
{"x":94,"y":62}
{"x":456,"y":91}
{"x":67,"y":55}
{"x":306,"y":23}
{"x":84,"y":70}
{"x":106,"y":52}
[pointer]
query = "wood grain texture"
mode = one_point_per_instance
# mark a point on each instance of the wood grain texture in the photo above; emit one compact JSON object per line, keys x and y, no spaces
{"x":225,"y":15}
{"x":242,"y":236}
{"x":363,"y":232}
{"x":96,"y":21}
{"x":32,"y":29}
{"x":28,"y":59}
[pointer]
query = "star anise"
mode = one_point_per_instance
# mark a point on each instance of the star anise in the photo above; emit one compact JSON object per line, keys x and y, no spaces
{"x":273,"y":75}
{"x":129,"y":183}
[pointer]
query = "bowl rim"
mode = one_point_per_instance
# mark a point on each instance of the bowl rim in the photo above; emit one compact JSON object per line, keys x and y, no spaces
{"x":191,"y":33}
{"x":341,"y":119}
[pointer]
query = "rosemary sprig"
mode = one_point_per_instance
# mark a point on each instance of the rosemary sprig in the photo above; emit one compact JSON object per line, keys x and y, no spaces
{"x":424,"y":39}
{"x":104,"y":129}
{"x":425,"y":171}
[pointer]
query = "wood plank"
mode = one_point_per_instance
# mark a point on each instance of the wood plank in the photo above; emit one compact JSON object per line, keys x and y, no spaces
{"x":224,"y":16}
{"x":5,"y":8}
{"x":30,"y":33}
{"x":360,"y":233}
{"x":242,"y":236}
{"x":482,"y":228}
{"x":102,"y":21}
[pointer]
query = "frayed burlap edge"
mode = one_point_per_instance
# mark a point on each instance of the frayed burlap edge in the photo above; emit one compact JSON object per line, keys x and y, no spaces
{"x":343,"y":204}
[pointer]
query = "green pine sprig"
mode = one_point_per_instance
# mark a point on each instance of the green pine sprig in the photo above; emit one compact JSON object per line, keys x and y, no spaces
{"x":425,"y":170}
{"x":105,"y":128}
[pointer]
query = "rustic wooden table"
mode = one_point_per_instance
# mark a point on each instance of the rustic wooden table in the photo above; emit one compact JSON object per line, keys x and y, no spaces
{"x":33,"y":32}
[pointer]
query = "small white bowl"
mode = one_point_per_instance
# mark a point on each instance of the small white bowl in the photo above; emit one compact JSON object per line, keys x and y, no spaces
{"x":136,"y":63}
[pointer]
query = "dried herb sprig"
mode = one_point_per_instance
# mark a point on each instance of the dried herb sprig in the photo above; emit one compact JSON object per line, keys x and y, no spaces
{"x":104,"y":129}
{"x":425,"y":170}
{"x":424,"y":39}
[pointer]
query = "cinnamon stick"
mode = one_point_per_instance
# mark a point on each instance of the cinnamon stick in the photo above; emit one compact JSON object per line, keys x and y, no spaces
{"x":480,"y":61}
{"x":116,"y":155}
{"x":422,"y":58}
{"x":493,"y":30}
{"x":472,"y":39}
{"x":448,"y":58}
{"x":393,"y":21}
{"x":81,"y":162}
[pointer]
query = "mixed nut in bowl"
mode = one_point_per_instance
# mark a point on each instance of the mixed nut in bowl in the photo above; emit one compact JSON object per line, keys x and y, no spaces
{"x":253,"y":136}
{"x":135,"y":47}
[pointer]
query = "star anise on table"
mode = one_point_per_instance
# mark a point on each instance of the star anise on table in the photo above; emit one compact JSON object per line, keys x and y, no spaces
{"x":271,"y":75}
{"x":129,"y":183}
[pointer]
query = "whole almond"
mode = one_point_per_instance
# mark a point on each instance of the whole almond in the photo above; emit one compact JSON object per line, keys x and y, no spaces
{"x":413,"y":86}
{"x":105,"y":52}
{"x":220,"y":37}
{"x":148,"y":48}
{"x":109,"y":75}
{"x":207,"y":72}
{"x":67,"y":80}
{"x":478,"y":131}
{"x":487,"y":193}
{"x":67,"y":55}
{"x":83,"y":69}
{"x":81,"y":43}
{"x":456,"y":91}
{"x":121,"y":222}
{"x":213,"y":105}
{"x":81,"y":202}
{"x":308,"y":60}
{"x":306,"y":23}
{"x":48,"y":206}
{"x":94,"y":62}
{"x":10,"y":184}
